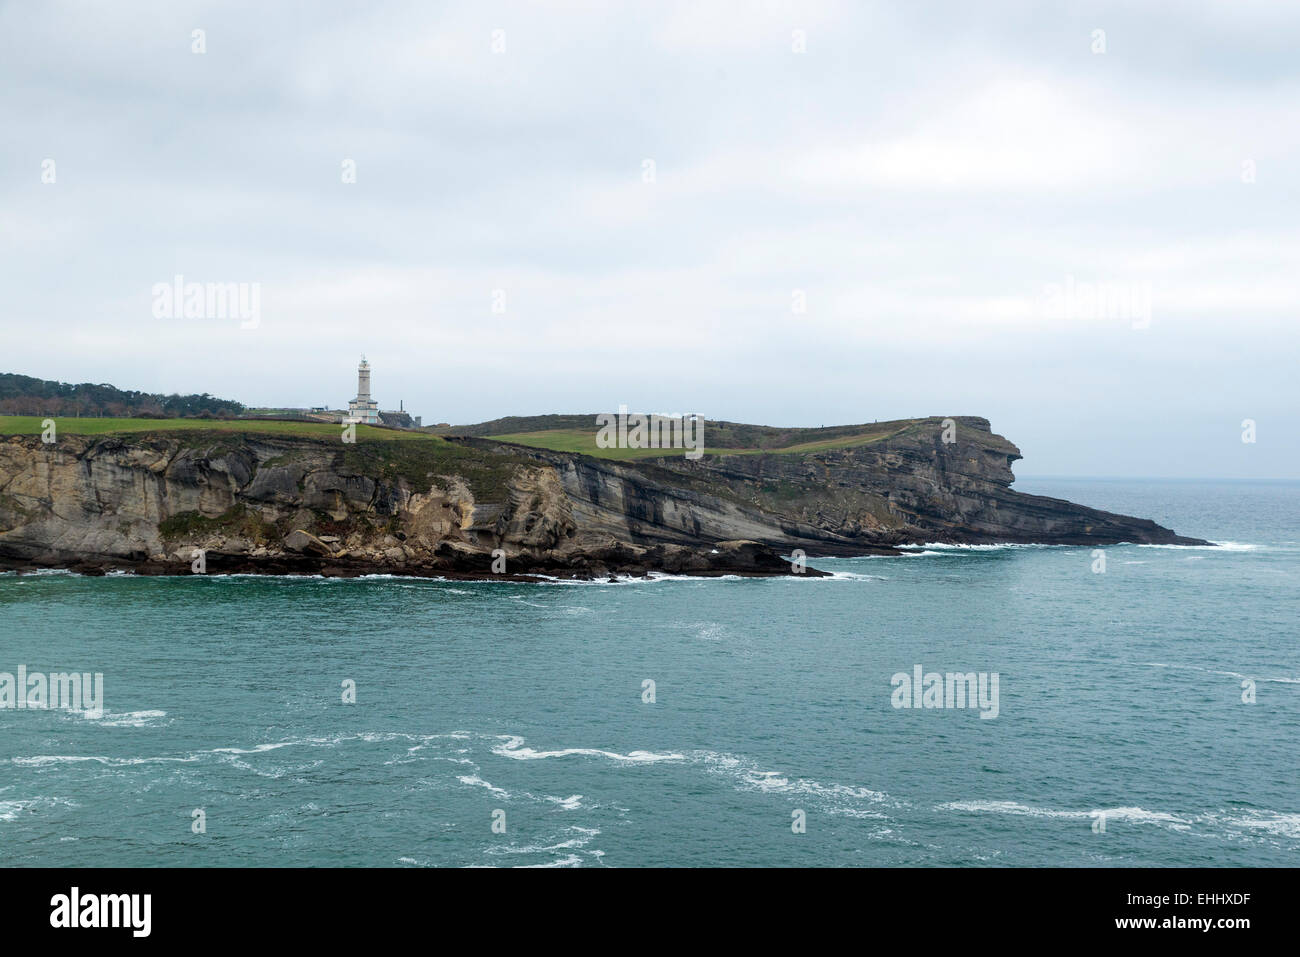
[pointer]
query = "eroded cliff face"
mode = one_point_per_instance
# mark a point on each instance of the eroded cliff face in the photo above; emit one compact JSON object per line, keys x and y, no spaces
{"x":257,"y":503}
{"x":915,"y":487}
{"x":425,"y":506}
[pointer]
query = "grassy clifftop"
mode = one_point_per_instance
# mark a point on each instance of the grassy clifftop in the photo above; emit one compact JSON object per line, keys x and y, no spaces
{"x":558,"y":433}
{"x":577,"y":433}
{"x":31,"y":425}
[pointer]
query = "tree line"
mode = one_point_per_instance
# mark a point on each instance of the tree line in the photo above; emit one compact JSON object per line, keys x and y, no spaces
{"x":25,"y":395}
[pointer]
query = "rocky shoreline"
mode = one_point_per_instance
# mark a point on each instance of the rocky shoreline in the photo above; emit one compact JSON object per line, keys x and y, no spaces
{"x":730,"y":559}
{"x":473,"y":507}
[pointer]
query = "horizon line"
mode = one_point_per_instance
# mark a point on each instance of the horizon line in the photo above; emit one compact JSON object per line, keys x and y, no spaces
{"x":1160,"y":478}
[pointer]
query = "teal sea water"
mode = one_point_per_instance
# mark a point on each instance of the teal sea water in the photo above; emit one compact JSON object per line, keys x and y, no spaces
{"x":1119,"y":692}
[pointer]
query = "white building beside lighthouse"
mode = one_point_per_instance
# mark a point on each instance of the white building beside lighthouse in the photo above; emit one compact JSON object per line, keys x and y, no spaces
{"x":363,"y":409}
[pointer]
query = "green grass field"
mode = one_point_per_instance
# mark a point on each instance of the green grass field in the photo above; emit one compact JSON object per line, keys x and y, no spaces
{"x":31,"y":425}
{"x":580,"y":440}
{"x":576,"y":440}
{"x":584,"y":441}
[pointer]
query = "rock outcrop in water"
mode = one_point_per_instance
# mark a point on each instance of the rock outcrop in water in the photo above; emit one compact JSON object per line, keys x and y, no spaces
{"x":453,"y":507}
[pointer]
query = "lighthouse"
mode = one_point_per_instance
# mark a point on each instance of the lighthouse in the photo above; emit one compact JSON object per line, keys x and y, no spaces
{"x":363,"y":408}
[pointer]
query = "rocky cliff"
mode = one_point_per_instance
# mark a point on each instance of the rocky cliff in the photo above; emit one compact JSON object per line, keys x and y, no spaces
{"x":155,"y":502}
{"x":912,"y":486}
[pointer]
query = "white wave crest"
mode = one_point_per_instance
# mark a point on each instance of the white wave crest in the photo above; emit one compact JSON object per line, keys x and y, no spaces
{"x":1275,"y":679}
{"x":513,"y":747}
{"x":1212,"y":547}
{"x":126,"y":719}
{"x":1136,"y":815}
{"x":473,"y":780}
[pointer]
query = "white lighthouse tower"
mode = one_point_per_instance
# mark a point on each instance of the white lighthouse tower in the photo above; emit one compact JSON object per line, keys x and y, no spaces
{"x":363,"y":408}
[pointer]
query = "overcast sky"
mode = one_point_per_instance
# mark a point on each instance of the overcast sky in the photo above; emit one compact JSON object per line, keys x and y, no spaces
{"x":927,"y":180}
